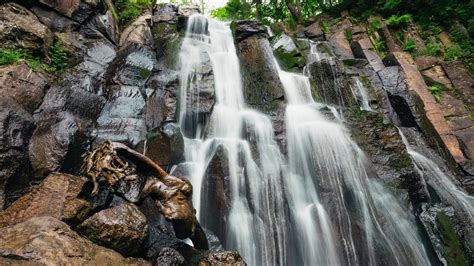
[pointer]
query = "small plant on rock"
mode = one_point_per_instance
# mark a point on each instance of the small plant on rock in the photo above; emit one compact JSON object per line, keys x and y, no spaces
{"x":436,"y":90}
{"x":398,"y":21}
{"x":59,"y":57}
{"x":8,"y":57}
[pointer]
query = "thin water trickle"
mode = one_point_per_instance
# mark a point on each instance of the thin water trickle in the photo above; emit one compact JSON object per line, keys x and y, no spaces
{"x":442,"y":183}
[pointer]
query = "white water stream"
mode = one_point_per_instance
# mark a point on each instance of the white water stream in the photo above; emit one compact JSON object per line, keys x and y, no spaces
{"x":318,"y":206}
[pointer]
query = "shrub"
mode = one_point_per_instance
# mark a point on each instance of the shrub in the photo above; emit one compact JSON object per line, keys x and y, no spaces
{"x":128,"y":10}
{"x":397,"y":21}
{"x":453,"y":52}
{"x":409,"y":45}
{"x":436,"y":90}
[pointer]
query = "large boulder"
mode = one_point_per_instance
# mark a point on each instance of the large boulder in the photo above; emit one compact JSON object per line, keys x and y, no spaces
{"x":165,"y":147}
{"x":123,"y":228}
{"x":24,"y":85}
{"x":78,"y":10}
{"x":49,"y":241}
{"x":19,"y":28}
{"x":16,"y":126}
{"x":58,"y":196}
{"x":138,"y":32}
{"x":261,"y":84}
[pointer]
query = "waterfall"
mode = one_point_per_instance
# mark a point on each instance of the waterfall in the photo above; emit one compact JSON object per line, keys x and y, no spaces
{"x":316,"y":207}
{"x":328,"y":175}
{"x":255,"y":222}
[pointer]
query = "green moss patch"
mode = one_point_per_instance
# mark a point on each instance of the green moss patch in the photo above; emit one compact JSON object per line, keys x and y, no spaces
{"x":453,"y":248}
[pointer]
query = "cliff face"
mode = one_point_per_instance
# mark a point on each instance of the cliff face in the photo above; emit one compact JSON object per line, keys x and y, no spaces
{"x":121,"y":83}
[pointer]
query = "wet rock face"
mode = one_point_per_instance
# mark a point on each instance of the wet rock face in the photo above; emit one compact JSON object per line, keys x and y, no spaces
{"x":287,"y":53}
{"x":332,"y":82}
{"x":384,"y":147}
{"x":261,"y":85}
{"x":246,"y":28}
{"x":123,"y":228}
{"x":47,"y":240}
{"x":19,"y":28}
{"x":122,"y":118}
{"x":216,"y":193}
{"x":59,"y":196}
{"x":78,"y":10}
{"x":68,"y":111}
{"x":16,"y":126}
{"x":166,"y":147}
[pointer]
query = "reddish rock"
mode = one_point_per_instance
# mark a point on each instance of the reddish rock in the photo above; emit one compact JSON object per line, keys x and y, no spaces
{"x":57,"y":196}
{"x":49,"y":241}
{"x":341,"y":45}
{"x":314,"y":31}
{"x":425,"y":62}
{"x":436,"y":75}
{"x":434,"y":124}
{"x":79,"y":10}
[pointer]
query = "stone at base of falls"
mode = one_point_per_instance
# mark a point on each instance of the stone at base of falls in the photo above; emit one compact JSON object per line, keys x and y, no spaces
{"x":57,"y":196}
{"x":47,"y":240}
{"x":122,"y":228}
{"x":223,"y":258}
{"x":165,"y":147}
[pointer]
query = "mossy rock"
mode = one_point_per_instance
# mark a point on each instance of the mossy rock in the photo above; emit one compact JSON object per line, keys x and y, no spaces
{"x":454,"y":253}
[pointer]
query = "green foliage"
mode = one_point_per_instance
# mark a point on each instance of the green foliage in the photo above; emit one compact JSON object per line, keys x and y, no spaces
{"x":59,"y":57}
{"x":348,"y":34}
{"x":409,"y":45}
{"x":453,"y":52}
{"x":12,"y":56}
{"x":432,"y":49}
{"x":397,"y":21}
{"x":436,"y":90}
{"x":374,"y":26}
{"x":128,"y":10}
{"x":8,"y":57}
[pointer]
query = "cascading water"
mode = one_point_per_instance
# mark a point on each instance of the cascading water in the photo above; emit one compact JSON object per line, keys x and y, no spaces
{"x":318,"y":208}
{"x":255,"y":222}
{"x":331,"y":195}
{"x":363,"y":94}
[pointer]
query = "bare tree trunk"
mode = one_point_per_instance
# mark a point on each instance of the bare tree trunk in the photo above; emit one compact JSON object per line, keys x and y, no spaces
{"x":295,"y":12}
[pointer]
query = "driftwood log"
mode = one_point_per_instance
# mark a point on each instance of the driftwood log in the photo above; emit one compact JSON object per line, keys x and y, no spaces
{"x":172,"y":194}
